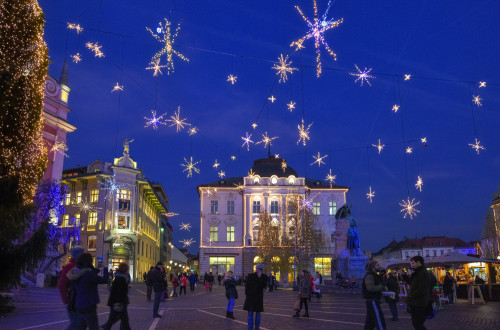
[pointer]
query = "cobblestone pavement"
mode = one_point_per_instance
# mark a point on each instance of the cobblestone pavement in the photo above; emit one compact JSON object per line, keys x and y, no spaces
{"x":42,"y":309}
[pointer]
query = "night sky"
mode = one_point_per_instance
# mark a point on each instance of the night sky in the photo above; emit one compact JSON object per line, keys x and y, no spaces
{"x":446,"y":46}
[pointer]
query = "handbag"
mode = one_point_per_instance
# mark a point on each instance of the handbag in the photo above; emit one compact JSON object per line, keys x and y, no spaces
{"x":117,"y":307}
{"x":296,"y":305}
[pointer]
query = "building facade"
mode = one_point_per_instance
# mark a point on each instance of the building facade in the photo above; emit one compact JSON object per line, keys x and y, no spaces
{"x":230,"y":211}
{"x":119,"y":211}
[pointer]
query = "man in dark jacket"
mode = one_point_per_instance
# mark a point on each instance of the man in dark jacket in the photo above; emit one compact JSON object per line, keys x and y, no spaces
{"x":393,"y":286}
{"x":419,"y":294}
{"x":64,"y":283}
{"x":118,"y":299}
{"x":372,"y":292}
{"x":158,"y":280}
{"x":254,"y":291}
{"x":448,"y":287}
{"x":210,"y":279}
{"x":192,"y":281}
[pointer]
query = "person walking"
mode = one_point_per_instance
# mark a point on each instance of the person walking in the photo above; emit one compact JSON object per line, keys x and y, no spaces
{"x":63,"y":284}
{"x":393,"y":286}
{"x":419,"y":295}
{"x":254,"y":296}
{"x":192,"y":281}
{"x":372,"y":292}
{"x":304,"y":285}
{"x":210,"y":281}
{"x":183,"y":283}
{"x":316,"y":289}
{"x":205,"y":278}
{"x":231,"y":293}
{"x":149,"y":286}
{"x":84,"y":281}
{"x":271,"y":282}
{"x":448,"y":286}
{"x":219,"y":279}
{"x":164,"y":293}
{"x":118,"y":299}
{"x":158,"y":279}
{"x":175,"y":284}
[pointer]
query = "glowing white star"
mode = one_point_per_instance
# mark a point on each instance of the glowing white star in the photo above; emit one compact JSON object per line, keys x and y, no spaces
{"x":190,"y":167}
{"x":319,"y":160}
{"x":409,"y":150}
{"x":76,"y":27}
{"x":482,"y":84}
{"x":111,"y":187}
{"x":193,"y":130}
{"x":84,"y":206}
{"x":303,"y":132}
{"x":187,"y":242}
{"x":419,"y":183}
{"x":76,"y":58}
{"x":177,"y":121}
{"x":276,"y":156}
{"x":283,"y":165}
{"x":216,"y":164}
{"x":267,"y":140}
{"x":251,"y":174}
{"x":477,"y":100}
{"x":154,"y":121}
{"x":362,"y":75}
{"x":185,"y":226}
{"x":117,"y":87}
{"x":408,"y":207}
{"x":477,"y":146}
{"x":222,"y":174}
{"x":407,"y":76}
{"x":60,"y":147}
{"x":283,"y":68}
{"x":247,"y":141}
{"x":155,"y":65}
{"x":210,"y":240}
{"x":271,"y":98}
{"x":95,"y":48}
{"x":331,"y":178}
{"x":423,"y":140}
{"x":254,"y":125}
{"x":395,"y":108}
{"x":379,"y":146}
{"x":232,"y":79}
{"x":233,"y":157}
{"x":291,"y":106}
{"x":370,"y":194}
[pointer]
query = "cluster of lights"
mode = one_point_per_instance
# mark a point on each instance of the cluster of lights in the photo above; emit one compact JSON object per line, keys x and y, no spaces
{"x":379,"y":146}
{"x":395,"y":108}
{"x":284,"y":165}
{"x":84,"y":206}
{"x":319,"y":159}
{"x":185,"y":226}
{"x":283,"y":68}
{"x":76,"y":58}
{"x":330,"y":177}
{"x":221,"y":174}
{"x":477,"y":100}
{"x":271,"y":98}
{"x":187,"y":242}
{"x":95,"y":48}
{"x":154,"y":121}
{"x":291,"y":106}
{"x":156,"y":67}
{"x":117,"y":87}
{"x":254,"y":125}
{"x":419,"y":184}
{"x":267,"y":140}
{"x":407,"y":76}
{"x":409,"y":150}
{"x":176,"y":120}
{"x":409,"y":208}
{"x":170,"y":214}
{"x":193,"y":131}
{"x":216,"y":164}
{"x":477,"y":146}
{"x":363,"y":76}
{"x":482,"y":84}
{"x":189,"y":167}
{"x":370,"y":194}
{"x":303,"y":132}
{"x":111,"y":187}
{"x":60,"y":147}
{"x":232,"y":79}
{"x":247,"y":141}
{"x":76,"y":27}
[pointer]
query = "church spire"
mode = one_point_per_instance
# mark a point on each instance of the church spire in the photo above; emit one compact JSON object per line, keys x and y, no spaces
{"x":63,"y":78}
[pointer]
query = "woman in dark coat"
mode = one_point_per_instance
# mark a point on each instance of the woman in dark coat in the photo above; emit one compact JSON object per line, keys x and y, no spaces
{"x":231,"y":293}
{"x":304,"y":284}
{"x":448,"y":284}
{"x":393,"y":286}
{"x":118,"y":299}
{"x":254,"y":291}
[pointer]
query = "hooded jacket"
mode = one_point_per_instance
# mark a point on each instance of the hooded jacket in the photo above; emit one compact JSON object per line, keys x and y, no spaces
{"x":86,"y":281}
{"x":63,"y":282}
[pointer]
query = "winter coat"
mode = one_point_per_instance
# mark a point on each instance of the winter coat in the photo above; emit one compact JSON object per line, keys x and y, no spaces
{"x":230,"y":285}
{"x":183,"y":281}
{"x":393,"y":286}
{"x":86,"y":281}
{"x":210,"y":278}
{"x":419,"y":288}
{"x":158,"y":279}
{"x":175,"y":282}
{"x":254,"y":291}
{"x":192,"y":278}
{"x":119,"y":290}
{"x":63,"y":282}
{"x":372,"y":286}
{"x":448,"y":284}
{"x":304,"y":283}
{"x":316,"y":285}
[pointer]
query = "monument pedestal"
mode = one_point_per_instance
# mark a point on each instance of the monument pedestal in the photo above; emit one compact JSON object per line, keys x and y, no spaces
{"x":351,"y":266}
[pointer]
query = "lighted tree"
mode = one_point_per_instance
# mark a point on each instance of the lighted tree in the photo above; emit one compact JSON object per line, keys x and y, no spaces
{"x":490,"y":247}
{"x":269,"y":238}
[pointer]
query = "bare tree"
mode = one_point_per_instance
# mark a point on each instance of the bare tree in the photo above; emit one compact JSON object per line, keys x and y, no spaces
{"x":490,"y":236}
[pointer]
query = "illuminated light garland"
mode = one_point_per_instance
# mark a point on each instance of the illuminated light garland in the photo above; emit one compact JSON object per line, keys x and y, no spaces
{"x":117,"y":87}
{"x":331,"y":178}
{"x":267,"y":140}
{"x":362,"y":75}
{"x":419,"y":184}
{"x":170,"y":214}
{"x":477,"y":146}
{"x":409,"y":208}
{"x":316,"y":31}
{"x":176,"y":120}
{"x":319,"y":159}
{"x":303,"y":132}
{"x":60,"y":147}
{"x":291,"y":106}
{"x":84,"y":206}
{"x":477,"y":100}
{"x":216,"y":164}
{"x":221,"y":174}
{"x":187,"y":242}
{"x":395,"y":108}
{"x":254,"y":125}
{"x":409,"y":150}
{"x":185,"y":226}
{"x":283,"y":68}
{"x":247,"y":141}
{"x":232,"y":79}
{"x":193,"y":131}
{"x":76,"y":27}
{"x":190,"y":167}
{"x":76,"y":58}
{"x":271,"y":98}
{"x":155,"y":65}
{"x":407,"y":76}
{"x":154,"y":121}
{"x":379,"y":146}
{"x":283,"y":165}
{"x":168,"y":40}
{"x":95,"y":48}
{"x":233,"y":157}
{"x":111,"y":187}
{"x":482,"y":84}
{"x":370,"y":194}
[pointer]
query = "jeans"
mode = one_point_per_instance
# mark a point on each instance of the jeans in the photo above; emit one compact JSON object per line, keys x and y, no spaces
{"x":88,"y":320}
{"x":230,"y":304}
{"x":174,"y":292}
{"x":157,"y":302}
{"x":450,"y":297}
{"x":303,"y":301}
{"x":418,"y":317}
{"x":115,"y":316}
{"x":73,"y":320}
{"x":182,"y":288}
{"x":374,"y":317}
{"x":250,"y":320}
{"x":191,"y":286}
{"x":394,"y":310}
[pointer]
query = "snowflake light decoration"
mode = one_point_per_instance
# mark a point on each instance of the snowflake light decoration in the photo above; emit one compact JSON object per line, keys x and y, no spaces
{"x":477,"y":100}
{"x":95,"y":48}
{"x":477,"y":146}
{"x":283,"y":165}
{"x":154,"y":121}
{"x":409,"y":208}
{"x":176,"y":120}
{"x":76,"y":27}
{"x":291,"y":106}
{"x":409,"y":150}
{"x":379,"y":146}
{"x":395,"y":108}
{"x":331,"y":178}
{"x":190,"y":167}
{"x":423,"y":140}
{"x":482,"y":84}
{"x":276,"y":156}
{"x":303,"y":132}
{"x":185,"y":226}
{"x":221,"y":174}
{"x":216,"y":164}
{"x":362,"y":75}
{"x":166,"y":37}
{"x":283,"y":68}
{"x":155,"y":65}
{"x":251,"y":174}
{"x":232,"y":79}
{"x":254,"y":125}
{"x":76,"y":58}
{"x":407,"y":76}
{"x":267,"y":140}
{"x":111,"y":187}
{"x":370,"y":194}
{"x":317,"y":29}
{"x":187,"y":242}
{"x":247,"y":141}
{"x":117,"y":87}
{"x":60,"y":147}
{"x":193,"y":131}
{"x":419,"y":183}
{"x":271,"y":98}
{"x":319,"y":159}
{"x":84,"y":206}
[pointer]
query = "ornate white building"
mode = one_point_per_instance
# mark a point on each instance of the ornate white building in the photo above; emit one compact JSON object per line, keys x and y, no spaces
{"x":230,"y":209}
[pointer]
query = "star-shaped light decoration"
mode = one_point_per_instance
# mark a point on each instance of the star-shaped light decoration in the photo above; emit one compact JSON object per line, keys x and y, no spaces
{"x":155,"y":65}
{"x":283,"y":165}
{"x":409,"y":150}
{"x":319,"y":159}
{"x":482,"y":84}
{"x":283,"y":68}
{"x":117,"y":87}
{"x":316,"y":31}
{"x":267,"y":140}
{"x":193,"y":131}
{"x":76,"y":27}
{"x":407,"y":76}
{"x":251,"y":173}
{"x":477,"y":100}
{"x":303,"y":132}
{"x":187,"y":242}
{"x":84,"y":206}
{"x":370,"y":194}
{"x":232,"y":79}
{"x":95,"y":48}
{"x":185,"y":226}
{"x":419,"y":183}
{"x":254,"y":125}
{"x":379,"y":146}
{"x":210,"y":241}
{"x":233,"y":157}
{"x":176,"y":120}
{"x":166,"y":37}
{"x":408,"y":208}
{"x":221,"y":174}
{"x":247,"y":141}
{"x":291,"y":106}
{"x":110,"y":186}
{"x":362,"y":75}
{"x":423,"y":140}
{"x":477,"y":146}
{"x":331,"y":178}
{"x":190,"y":167}
{"x":271,"y":98}
{"x":155,"y":121}
{"x":276,"y":156}
{"x":395,"y":108}
{"x":76,"y":58}
{"x":60,"y":147}
{"x":216,"y":164}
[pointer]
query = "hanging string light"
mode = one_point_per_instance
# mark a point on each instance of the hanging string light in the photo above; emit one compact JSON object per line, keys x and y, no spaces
{"x":283,"y":68}
{"x":370,"y":194}
{"x":155,"y":121}
{"x":190,"y":166}
{"x":266,"y":140}
{"x":176,"y":120}
{"x":379,"y":146}
{"x":247,"y":141}
{"x":319,"y":159}
{"x":362,"y":75}
{"x":117,"y":87}
{"x":232,"y":79}
{"x":291,"y":106}
{"x":76,"y":57}
{"x":409,"y":208}
{"x":419,"y":184}
{"x":155,"y":65}
{"x":303,"y":132}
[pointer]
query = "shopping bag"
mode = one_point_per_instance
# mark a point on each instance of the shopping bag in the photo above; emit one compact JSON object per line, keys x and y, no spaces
{"x":296,"y":306}
{"x":195,"y":285}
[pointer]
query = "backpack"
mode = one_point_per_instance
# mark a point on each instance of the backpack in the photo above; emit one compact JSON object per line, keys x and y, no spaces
{"x":72,"y":297}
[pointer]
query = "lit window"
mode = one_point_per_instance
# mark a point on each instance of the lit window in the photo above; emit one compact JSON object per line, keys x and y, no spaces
{"x":291,"y":180}
{"x":78,"y":197}
{"x":230,"y":207}
{"x":256,"y":206}
{"x":323,"y":266}
{"x":65,"y":222}
{"x":256,"y":180}
{"x":230,"y":233}
{"x":94,"y":196}
{"x":124,"y":193}
{"x":68,"y":198}
{"x":333,"y":208}
{"x":274,"y":180}
{"x":214,"y":234}
{"x":274,"y":207}
{"x":316,"y":208}
{"x":92,"y":219}
{"x":77,"y":220}
{"x":92,"y":243}
{"x":214,"y":207}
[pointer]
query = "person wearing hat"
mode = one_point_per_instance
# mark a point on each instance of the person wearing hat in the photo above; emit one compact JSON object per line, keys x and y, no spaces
{"x":63,"y":282}
{"x":254,"y":292}
{"x":158,"y":280}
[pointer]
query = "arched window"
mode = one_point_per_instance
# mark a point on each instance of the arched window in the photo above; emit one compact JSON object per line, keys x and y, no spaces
{"x":256,"y":233}
{"x":291,"y":231}
{"x":256,"y":179}
{"x":274,"y":180}
{"x":291,"y":180}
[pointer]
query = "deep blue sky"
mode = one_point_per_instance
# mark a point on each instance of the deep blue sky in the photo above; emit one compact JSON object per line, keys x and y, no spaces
{"x":443,"y":44}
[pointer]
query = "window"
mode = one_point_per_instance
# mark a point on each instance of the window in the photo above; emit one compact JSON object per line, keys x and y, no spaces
{"x":433,"y":253}
{"x":230,"y":233}
{"x":316,"y":208}
{"x":291,"y":180}
{"x":256,"y":233}
{"x":274,"y":180}
{"x":124,"y":193}
{"x":92,"y":243}
{"x":274,"y":207}
{"x":92,"y":218}
{"x":333,"y":208}
{"x":221,"y":264}
{"x":419,"y":253}
{"x":256,"y":206}
{"x":68,"y":198}
{"x":332,"y":238}
{"x":78,"y":197}
{"x":214,"y":207}
{"x":65,"y":222}
{"x":427,"y":253}
{"x":94,"y":196}
{"x":77,"y":219}
{"x":323,"y":266}
{"x":407,"y":254}
{"x":214,"y":234}
{"x":230,"y":207}
{"x":256,"y":180}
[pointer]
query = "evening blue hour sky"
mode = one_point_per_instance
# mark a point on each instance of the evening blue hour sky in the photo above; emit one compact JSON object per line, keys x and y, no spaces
{"x":446,"y":46}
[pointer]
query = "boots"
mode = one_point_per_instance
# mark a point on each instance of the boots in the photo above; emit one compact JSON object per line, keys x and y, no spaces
{"x":296,"y":314}
{"x":227,"y":314}
{"x":306,"y":314}
{"x":231,"y":316}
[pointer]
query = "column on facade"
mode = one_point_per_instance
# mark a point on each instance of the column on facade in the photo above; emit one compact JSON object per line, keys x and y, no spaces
{"x":283,"y":214}
{"x":247,"y":219}
{"x":266,"y":200}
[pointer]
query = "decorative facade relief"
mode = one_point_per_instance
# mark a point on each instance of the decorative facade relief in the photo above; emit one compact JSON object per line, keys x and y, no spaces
{"x":213,"y":221}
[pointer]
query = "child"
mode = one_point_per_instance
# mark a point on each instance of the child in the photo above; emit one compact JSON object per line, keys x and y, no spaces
{"x":231,"y":293}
